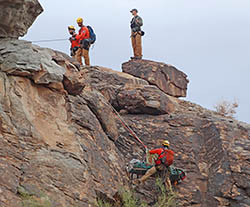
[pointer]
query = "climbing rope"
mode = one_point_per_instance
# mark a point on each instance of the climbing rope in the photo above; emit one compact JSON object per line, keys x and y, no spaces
{"x":128,"y":128}
{"x":52,"y":40}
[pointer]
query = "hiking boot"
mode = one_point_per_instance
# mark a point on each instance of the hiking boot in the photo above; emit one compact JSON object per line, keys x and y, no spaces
{"x":138,"y":57}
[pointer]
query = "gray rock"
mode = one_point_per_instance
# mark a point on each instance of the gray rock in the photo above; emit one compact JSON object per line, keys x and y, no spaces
{"x":17,"y":16}
{"x":21,"y":58}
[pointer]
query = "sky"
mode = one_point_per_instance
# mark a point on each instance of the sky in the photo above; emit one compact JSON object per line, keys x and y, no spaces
{"x":209,"y":40}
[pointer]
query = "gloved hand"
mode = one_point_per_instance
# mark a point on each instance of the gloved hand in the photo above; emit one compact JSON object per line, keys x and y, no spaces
{"x":72,"y":39}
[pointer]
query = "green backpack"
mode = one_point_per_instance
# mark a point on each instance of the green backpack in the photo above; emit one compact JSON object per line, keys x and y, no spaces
{"x":176,"y":175}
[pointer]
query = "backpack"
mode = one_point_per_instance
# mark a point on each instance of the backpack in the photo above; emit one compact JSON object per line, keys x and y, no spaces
{"x":167,"y":157}
{"x":92,"y":35}
{"x":176,"y":175}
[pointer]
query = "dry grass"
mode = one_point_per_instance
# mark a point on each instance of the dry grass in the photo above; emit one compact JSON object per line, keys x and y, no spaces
{"x":226,"y":108}
{"x":165,"y":198}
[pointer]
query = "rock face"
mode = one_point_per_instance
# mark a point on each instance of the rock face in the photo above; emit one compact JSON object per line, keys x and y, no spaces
{"x":128,"y":93}
{"x":61,"y":143}
{"x":21,"y":58}
{"x":54,"y":145}
{"x":144,"y":100}
{"x":212,"y":149}
{"x":17,"y":16}
{"x":43,"y":66}
{"x":165,"y":77}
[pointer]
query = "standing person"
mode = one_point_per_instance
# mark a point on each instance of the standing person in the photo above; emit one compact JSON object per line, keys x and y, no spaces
{"x":75,"y":41}
{"x":83,"y":35}
{"x":136,"y":34}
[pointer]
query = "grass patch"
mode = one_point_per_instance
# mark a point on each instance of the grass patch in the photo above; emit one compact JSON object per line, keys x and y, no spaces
{"x":33,"y":202}
{"x":164,"y":198}
{"x":100,"y":203}
{"x":29,"y":200}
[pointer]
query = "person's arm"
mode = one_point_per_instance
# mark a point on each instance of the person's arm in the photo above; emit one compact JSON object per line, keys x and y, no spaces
{"x":139,"y":21}
{"x":154,"y":151}
{"x":83,"y":33}
{"x":78,"y":37}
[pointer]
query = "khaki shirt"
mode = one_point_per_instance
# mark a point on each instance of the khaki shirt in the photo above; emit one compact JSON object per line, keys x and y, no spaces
{"x":136,"y":24}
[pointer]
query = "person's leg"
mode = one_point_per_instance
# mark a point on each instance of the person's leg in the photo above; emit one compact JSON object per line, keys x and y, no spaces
{"x":138,"y":45}
{"x":86,"y":57}
{"x":167,"y":181}
{"x":78,"y":56}
{"x":149,"y":173}
{"x":133,"y":41}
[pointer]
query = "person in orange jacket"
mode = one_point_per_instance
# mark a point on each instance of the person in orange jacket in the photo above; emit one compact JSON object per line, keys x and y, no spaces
{"x":83,"y":35}
{"x":75,"y":41}
{"x":165,"y":158}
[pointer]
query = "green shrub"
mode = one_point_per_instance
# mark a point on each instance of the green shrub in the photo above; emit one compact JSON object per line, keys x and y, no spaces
{"x":101,"y":203}
{"x":29,"y":200}
{"x":165,"y":198}
{"x":129,"y":199}
{"x":32,"y":202}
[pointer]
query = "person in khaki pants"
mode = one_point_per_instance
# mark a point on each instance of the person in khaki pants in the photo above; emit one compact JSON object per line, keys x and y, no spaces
{"x":164,"y":159}
{"x":84,"y":50}
{"x":136,"y":34}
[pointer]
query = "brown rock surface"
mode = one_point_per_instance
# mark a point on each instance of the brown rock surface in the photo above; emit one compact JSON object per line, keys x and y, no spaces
{"x":17,"y":16}
{"x":165,"y":77}
{"x":70,"y":149}
{"x":109,"y":82}
{"x":53,"y":145}
{"x":125,"y":92}
{"x":144,"y":99}
{"x":213,"y":150}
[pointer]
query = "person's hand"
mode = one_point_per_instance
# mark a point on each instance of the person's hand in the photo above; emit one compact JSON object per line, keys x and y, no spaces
{"x":72,"y":39}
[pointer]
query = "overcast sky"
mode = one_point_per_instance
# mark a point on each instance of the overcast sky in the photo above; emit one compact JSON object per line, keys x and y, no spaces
{"x":209,"y":40}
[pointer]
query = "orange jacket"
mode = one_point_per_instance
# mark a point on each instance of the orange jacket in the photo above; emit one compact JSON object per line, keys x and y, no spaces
{"x":75,"y":41}
{"x":83,"y":33}
{"x":161,"y":154}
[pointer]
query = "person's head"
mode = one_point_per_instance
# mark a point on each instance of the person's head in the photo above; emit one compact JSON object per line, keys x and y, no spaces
{"x":134,"y":12}
{"x":79,"y":21}
{"x":71,"y":29}
{"x":165,"y":143}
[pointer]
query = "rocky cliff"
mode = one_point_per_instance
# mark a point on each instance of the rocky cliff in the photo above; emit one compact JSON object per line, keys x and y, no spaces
{"x":17,"y":16}
{"x":62,"y":144}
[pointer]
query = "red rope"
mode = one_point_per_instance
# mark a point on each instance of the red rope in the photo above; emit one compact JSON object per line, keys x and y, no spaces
{"x":128,"y":128}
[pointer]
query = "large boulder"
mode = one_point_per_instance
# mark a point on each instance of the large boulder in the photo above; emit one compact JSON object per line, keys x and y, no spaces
{"x":109,"y":81}
{"x":128,"y":93}
{"x":17,"y":16}
{"x":144,"y":99}
{"x":166,"y":77}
